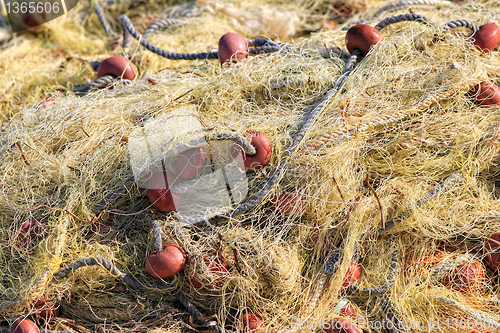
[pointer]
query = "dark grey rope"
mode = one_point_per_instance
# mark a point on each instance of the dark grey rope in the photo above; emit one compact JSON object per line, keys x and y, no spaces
{"x":263,"y":49}
{"x":157,"y":241}
{"x":102,"y":19}
{"x":128,"y":29}
{"x":407,"y":3}
{"x":333,"y":261}
{"x":388,"y":282}
{"x":462,"y":23}
{"x":108,"y":265}
{"x":101,"y":82}
{"x":420,"y":202}
{"x":162,"y":24}
{"x":311,"y":118}
{"x":392,"y":325}
{"x":156,"y":164}
{"x":134,"y":284}
{"x":402,"y":18}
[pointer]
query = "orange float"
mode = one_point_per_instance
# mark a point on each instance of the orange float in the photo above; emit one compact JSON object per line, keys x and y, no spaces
{"x":169,"y":261}
{"x":363,"y":37}
{"x":159,"y":193}
{"x":232,"y":46}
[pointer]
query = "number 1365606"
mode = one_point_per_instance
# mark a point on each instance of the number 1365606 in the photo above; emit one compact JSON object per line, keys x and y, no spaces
{"x":32,"y":7}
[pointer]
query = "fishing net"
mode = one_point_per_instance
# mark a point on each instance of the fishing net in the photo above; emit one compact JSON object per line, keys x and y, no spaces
{"x":395,"y":182}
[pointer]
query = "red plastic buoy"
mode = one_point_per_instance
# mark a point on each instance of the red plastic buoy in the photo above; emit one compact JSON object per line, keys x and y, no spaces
{"x":486,"y":93}
{"x":217,"y":270}
{"x":247,"y":322}
{"x":288,"y":203}
{"x":190,"y":162}
{"x":232,"y":46}
{"x":363,"y":37}
{"x":348,"y":310}
{"x":492,"y":252}
{"x":33,"y":21}
{"x":487,"y":37}
{"x":466,"y":277}
{"x":169,"y":261}
{"x":352,"y":275}
{"x":117,"y":66}
{"x":45,"y":310}
{"x":27,"y":231}
{"x":341,"y":325}
{"x":23,"y":326}
{"x":262,"y":146}
{"x":159,"y":193}
{"x":325,"y":244}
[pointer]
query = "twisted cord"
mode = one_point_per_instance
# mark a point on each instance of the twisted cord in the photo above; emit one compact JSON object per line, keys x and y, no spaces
{"x":162,"y":24}
{"x":400,"y":5}
{"x":314,"y":297}
{"x":263,"y":49}
{"x":103,"y":81}
{"x":408,"y":3}
{"x":102,"y":19}
{"x":401,"y":18}
{"x":94,"y":65}
{"x":110,"y":267}
{"x":462,"y":23}
{"x":157,"y":241}
{"x":333,"y":261}
{"x":382,"y":119}
{"x":493,"y":323}
{"x":134,"y":284}
{"x":420,"y":202}
{"x":156,"y":164}
{"x":128,"y":30}
{"x":389,"y":315}
{"x":299,"y":136}
{"x":388,"y":282}
{"x":193,"y":311}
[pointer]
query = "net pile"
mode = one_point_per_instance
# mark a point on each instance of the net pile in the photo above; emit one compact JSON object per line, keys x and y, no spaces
{"x":399,"y":173}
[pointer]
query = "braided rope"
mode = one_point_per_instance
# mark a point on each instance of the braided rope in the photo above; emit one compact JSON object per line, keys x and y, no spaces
{"x":108,"y":265}
{"x":157,"y":241}
{"x":298,"y":138}
{"x":333,"y":261}
{"x":493,"y":323}
{"x":156,"y":164}
{"x":263,"y":49}
{"x":393,"y":325}
{"x":313,"y":299}
{"x":382,"y":119}
{"x":402,"y":18}
{"x":102,"y":19}
{"x":401,"y":5}
{"x":129,"y":30}
{"x":420,"y":202}
{"x":462,"y":23}
{"x":409,"y":3}
{"x":388,"y":282}
{"x":134,"y":284}
{"x":98,"y":83}
{"x":162,"y":24}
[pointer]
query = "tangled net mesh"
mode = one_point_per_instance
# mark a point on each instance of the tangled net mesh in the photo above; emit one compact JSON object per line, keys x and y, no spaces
{"x":352,"y":174}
